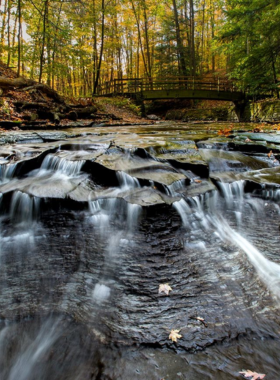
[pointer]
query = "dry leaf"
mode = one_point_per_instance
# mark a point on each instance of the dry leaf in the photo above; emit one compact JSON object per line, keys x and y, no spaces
{"x":164,"y":288}
{"x":270,"y":154}
{"x":252,"y":375}
{"x":174,"y":335}
{"x":197,"y":181}
{"x":200,"y":319}
{"x":257,"y":130}
{"x":225,"y":131}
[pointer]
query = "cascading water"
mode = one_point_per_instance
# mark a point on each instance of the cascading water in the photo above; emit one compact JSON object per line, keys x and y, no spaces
{"x":210,"y":217}
{"x":24,"y":208}
{"x":6,"y":172}
{"x":62,"y":164}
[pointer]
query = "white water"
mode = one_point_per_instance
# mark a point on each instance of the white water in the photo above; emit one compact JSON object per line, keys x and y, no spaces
{"x":24,"y":208}
{"x":6,"y":172}
{"x":204,"y":215}
{"x":62,"y":164}
{"x":32,"y":352}
{"x":126,"y":181}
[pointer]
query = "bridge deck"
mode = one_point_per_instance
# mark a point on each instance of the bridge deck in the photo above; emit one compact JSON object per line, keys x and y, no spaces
{"x":172,"y":88}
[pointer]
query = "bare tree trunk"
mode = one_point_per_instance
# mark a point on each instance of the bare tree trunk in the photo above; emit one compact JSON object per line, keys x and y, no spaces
{"x":213,"y":32}
{"x":202,"y":38}
{"x":8,"y":33}
{"x":43,"y":41}
{"x":139,"y":38}
{"x":3,"y":28}
{"x":193,"y":64}
{"x":180,"y":50}
{"x":146,"y":28}
{"x":101,"y":48}
{"x":19,"y":37}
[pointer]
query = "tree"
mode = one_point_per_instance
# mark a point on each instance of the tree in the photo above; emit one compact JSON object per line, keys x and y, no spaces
{"x":251,"y":40}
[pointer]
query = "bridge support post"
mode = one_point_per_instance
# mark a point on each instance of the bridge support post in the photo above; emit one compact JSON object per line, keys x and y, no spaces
{"x":140,"y":102}
{"x":241,"y":108}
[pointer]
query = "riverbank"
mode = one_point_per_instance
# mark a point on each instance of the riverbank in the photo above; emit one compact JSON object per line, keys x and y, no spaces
{"x":26,"y":104}
{"x":263,"y":111}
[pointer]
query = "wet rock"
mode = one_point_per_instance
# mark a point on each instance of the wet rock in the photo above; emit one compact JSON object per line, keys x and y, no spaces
{"x":153,"y":117}
{"x":80,"y":275}
{"x":223,"y":161}
{"x":9,"y":124}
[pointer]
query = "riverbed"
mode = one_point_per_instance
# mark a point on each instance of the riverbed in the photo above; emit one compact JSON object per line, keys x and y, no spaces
{"x":94,"y":220}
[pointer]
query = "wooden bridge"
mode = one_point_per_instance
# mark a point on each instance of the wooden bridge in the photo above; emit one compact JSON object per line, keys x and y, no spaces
{"x":172,"y":88}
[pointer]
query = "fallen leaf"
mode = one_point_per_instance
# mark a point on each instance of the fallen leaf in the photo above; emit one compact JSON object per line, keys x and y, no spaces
{"x":270,"y":154}
{"x":174,"y":335}
{"x":257,"y":130}
{"x":197,"y":181}
{"x":252,"y":375}
{"x":225,"y":131}
{"x":164,"y":288}
{"x":202,"y":320}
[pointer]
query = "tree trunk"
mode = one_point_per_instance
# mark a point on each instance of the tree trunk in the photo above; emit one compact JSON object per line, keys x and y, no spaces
{"x":43,"y":40}
{"x":2,"y":43}
{"x":180,"y":50}
{"x":8,"y":34}
{"x":139,"y":39}
{"x":19,"y":38}
{"x":101,"y":49}
{"x":193,"y":64}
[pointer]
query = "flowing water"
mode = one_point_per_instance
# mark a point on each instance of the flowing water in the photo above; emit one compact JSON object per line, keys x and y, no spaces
{"x":93,"y":222}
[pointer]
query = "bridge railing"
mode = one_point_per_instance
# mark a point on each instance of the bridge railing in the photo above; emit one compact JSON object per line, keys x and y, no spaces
{"x":130,"y":86}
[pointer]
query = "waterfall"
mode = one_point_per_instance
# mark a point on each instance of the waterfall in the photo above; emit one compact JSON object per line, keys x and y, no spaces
{"x":63,"y":165}
{"x":126,"y":181}
{"x":7,"y":172}
{"x":24,"y":208}
{"x":176,"y":187}
{"x":208,"y":216}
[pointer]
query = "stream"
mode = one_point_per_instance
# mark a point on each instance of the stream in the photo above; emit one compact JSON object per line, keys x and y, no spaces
{"x":94,"y":220}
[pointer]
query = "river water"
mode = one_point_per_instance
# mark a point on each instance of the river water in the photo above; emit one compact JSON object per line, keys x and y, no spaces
{"x":94,"y":220}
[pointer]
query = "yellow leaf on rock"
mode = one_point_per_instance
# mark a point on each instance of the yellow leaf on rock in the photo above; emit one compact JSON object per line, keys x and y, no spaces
{"x":174,"y":335}
{"x":164,"y":288}
{"x":252,"y":375}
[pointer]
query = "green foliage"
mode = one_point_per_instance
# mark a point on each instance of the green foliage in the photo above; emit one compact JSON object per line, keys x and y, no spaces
{"x":120,"y":102}
{"x":251,"y":40}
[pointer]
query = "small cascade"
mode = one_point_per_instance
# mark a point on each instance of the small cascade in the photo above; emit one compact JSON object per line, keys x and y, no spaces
{"x":203,"y":213}
{"x":184,"y":211}
{"x":107,"y":210}
{"x":126,"y":181}
{"x":101,"y":210}
{"x":268,"y":271}
{"x":175,"y":188}
{"x":24,"y":208}
{"x":133,"y":215}
{"x":232,"y":192}
{"x":270,"y":194}
{"x":63,"y":165}
{"x":7,"y":172}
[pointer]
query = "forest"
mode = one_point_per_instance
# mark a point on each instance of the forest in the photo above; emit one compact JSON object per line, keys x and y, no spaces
{"x":75,"y":45}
